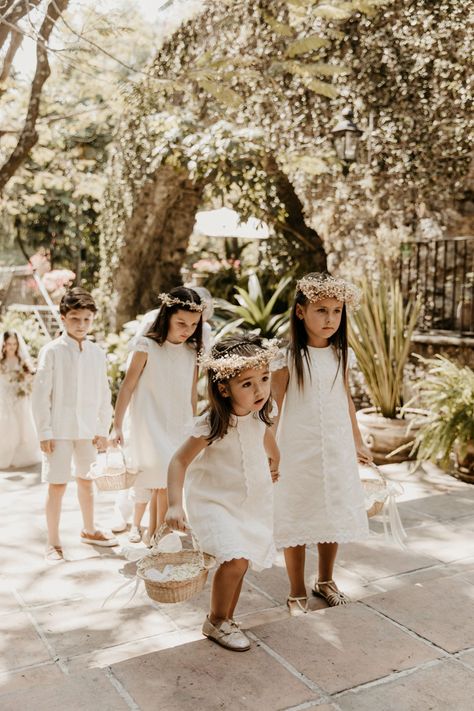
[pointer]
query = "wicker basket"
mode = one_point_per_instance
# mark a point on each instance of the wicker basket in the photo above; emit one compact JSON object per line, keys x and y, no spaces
{"x":376,"y":491}
{"x":174,"y":590}
{"x":113,"y":478}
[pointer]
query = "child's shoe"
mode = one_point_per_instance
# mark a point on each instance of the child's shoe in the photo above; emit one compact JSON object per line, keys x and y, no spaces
{"x":297,"y":605}
{"x":227,"y":634}
{"x":54,"y":554}
{"x":135,"y":535}
{"x":119,"y":526}
{"x":99,"y":538}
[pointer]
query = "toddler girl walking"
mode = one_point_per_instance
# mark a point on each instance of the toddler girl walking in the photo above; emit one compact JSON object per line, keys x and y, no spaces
{"x":319,"y":498}
{"x":228,"y":485}
{"x":160,"y":391}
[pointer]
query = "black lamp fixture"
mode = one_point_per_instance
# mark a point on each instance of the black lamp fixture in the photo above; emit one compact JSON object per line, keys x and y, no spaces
{"x":346,"y":135}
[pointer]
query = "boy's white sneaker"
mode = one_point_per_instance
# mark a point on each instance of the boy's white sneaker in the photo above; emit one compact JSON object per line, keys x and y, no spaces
{"x":99,"y":538}
{"x":135,"y":535}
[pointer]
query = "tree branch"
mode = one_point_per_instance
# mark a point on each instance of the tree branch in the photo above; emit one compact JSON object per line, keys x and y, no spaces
{"x":11,"y":13}
{"x":15,"y":42}
{"x":29,"y":134}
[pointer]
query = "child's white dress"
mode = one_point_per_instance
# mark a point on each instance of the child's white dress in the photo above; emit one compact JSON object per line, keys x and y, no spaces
{"x":19,"y":444}
{"x":229,"y":494}
{"x":160,"y":412}
{"x":319,"y":498}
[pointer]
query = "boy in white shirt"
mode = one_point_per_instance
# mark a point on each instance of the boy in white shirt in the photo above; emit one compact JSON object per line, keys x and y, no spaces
{"x":72,"y":411}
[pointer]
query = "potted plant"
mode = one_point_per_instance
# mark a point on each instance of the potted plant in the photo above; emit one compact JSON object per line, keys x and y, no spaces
{"x":252,"y":311}
{"x":447,"y":391}
{"x":380,"y":334}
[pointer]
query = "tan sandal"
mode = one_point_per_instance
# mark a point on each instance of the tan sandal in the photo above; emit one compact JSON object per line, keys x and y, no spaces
{"x":335,"y":597}
{"x":295,"y":605}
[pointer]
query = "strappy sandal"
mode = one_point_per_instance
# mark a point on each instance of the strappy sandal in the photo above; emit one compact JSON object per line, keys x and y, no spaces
{"x":335,"y":597}
{"x":297,"y":605}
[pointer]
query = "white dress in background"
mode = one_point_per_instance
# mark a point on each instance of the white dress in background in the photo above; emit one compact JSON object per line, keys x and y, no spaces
{"x":319,"y":498}
{"x":19,"y":444}
{"x":160,"y":413}
{"x":229,"y":494}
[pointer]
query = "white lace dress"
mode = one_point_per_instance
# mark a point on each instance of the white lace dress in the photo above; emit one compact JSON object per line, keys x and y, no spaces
{"x":319,"y":498}
{"x":229,"y":494}
{"x":19,"y":444}
{"x":160,"y":413}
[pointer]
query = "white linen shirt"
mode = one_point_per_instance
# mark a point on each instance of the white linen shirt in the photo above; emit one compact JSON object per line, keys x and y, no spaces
{"x":71,"y":394}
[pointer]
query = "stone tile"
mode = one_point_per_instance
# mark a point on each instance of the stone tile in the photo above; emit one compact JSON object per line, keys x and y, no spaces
{"x":446,"y":542}
{"x":48,"y":689}
{"x":339,"y":648}
{"x":438,"y":688}
{"x":205,"y":676}
{"x":376,"y":559}
{"x":82,"y":626}
{"x":441,"y":570}
{"x":467,"y":658}
{"x":8,"y":601}
{"x":441,"y":611}
{"x":20,"y":644}
{"x":128,"y":650}
{"x":441,"y":508}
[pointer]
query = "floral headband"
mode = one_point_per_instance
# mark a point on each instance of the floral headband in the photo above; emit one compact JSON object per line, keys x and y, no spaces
{"x":169,"y":300}
{"x":229,"y":364}
{"x":326,"y":287}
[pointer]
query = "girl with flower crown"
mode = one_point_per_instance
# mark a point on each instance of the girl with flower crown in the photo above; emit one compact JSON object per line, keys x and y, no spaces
{"x":228,"y":478}
{"x":319,"y":499}
{"x":18,"y":442}
{"x":160,"y":393}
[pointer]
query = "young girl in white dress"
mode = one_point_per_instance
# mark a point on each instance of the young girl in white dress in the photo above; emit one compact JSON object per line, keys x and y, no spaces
{"x":160,"y":390}
{"x":319,"y":498}
{"x":18,"y":442}
{"x":230,"y":460}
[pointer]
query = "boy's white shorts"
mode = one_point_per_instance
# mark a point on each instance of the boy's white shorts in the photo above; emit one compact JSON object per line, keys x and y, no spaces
{"x":71,"y":458}
{"x":142,"y":495}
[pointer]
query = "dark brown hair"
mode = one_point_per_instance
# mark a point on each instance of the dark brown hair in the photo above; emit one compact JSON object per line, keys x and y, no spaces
{"x":159,"y":328}
{"x":220,"y":407}
{"x":12,"y":334}
{"x":299,"y":338}
{"x":76,"y":298}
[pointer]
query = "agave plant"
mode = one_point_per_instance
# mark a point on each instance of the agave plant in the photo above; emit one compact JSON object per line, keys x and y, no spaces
{"x":254,"y":312}
{"x":380,"y":335}
{"x":447,"y":391}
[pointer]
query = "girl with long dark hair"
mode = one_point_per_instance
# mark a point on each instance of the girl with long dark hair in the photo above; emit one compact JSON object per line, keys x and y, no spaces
{"x":319,"y":499}
{"x":232,"y":459}
{"x":160,"y":390}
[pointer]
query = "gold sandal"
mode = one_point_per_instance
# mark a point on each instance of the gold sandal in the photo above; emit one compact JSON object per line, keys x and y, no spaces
{"x":296,"y":607}
{"x":335,"y":597}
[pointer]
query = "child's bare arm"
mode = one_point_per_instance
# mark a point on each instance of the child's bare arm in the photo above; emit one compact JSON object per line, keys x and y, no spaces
{"x":129,"y":384}
{"x":364,"y":455}
{"x":280,"y":380}
{"x":175,"y":517}
{"x":273,"y":453}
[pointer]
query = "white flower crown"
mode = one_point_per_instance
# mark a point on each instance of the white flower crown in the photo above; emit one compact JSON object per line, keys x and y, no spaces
{"x":169,"y":300}
{"x":229,"y":364}
{"x":327,"y":287}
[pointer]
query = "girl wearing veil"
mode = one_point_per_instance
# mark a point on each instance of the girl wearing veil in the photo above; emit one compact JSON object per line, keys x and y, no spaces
{"x":18,"y":441}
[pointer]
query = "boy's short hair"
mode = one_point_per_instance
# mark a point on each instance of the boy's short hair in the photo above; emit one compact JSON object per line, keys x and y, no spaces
{"x":76,"y":298}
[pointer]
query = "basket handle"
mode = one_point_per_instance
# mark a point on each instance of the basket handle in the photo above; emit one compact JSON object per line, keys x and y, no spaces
{"x":164,"y":529}
{"x":122,"y":454}
{"x":378,"y":471}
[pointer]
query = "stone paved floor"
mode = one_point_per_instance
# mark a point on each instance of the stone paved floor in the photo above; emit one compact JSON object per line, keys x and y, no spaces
{"x":406,"y":644}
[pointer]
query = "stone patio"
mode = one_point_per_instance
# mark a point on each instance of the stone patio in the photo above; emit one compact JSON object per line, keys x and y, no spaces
{"x":406,"y":644}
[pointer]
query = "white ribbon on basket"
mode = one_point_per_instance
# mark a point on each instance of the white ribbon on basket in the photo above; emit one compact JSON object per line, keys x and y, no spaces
{"x":130,"y":554}
{"x":392,"y":523}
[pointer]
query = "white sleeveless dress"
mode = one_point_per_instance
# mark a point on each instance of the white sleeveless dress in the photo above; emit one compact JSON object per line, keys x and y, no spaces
{"x":319,"y":498}
{"x":19,"y":443}
{"x":160,"y":413}
{"x":229,"y":494}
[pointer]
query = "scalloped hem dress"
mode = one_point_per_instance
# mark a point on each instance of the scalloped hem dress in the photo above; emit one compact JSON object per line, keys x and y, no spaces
{"x":319,"y":498}
{"x":229,"y":494}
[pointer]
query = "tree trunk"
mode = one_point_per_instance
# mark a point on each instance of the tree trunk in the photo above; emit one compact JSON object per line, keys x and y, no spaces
{"x":310,"y":247}
{"x":156,"y":238}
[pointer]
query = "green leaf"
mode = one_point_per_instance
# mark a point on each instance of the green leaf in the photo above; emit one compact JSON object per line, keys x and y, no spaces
{"x":331,"y":12}
{"x":278,"y":27}
{"x":306,"y":44}
{"x":223,"y":94}
{"x":323,"y":88}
